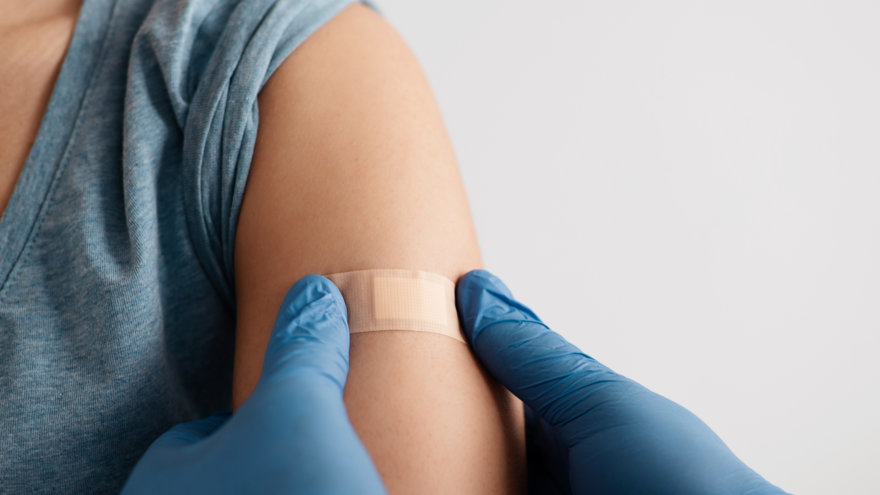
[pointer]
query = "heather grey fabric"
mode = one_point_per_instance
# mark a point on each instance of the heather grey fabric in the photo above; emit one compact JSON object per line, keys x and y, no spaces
{"x":117,"y":298}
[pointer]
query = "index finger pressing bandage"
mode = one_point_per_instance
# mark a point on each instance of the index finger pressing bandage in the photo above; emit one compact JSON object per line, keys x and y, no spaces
{"x":398,"y":299}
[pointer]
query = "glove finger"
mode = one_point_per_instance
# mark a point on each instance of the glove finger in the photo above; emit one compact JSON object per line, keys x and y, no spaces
{"x":539,"y":366}
{"x":546,"y":457}
{"x":310,"y":338}
{"x":192,"y":432}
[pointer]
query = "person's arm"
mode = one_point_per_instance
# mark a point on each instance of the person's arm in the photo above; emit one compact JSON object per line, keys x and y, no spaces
{"x":353,"y":169}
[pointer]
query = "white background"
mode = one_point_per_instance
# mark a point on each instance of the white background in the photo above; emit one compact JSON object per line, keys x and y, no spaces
{"x":690,"y":192}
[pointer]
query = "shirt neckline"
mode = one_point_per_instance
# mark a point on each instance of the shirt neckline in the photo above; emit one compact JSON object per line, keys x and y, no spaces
{"x":57,"y":128}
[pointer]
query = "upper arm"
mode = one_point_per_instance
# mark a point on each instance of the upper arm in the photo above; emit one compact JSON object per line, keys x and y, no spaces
{"x":353,"y":169}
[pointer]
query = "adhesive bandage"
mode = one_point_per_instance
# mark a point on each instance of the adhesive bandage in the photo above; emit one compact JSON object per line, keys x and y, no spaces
{"x":399,"y":299}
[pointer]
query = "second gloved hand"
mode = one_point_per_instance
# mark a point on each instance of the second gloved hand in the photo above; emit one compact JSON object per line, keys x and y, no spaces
{"x":292,"y":435}
{"x":591,"y":430}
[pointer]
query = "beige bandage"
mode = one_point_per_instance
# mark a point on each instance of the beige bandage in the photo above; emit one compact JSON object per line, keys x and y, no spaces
{"x":398,"y":299}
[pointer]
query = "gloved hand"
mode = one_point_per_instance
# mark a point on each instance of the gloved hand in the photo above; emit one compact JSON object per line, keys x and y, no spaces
{"x":292,"y":435}
{"x":590,"y":430}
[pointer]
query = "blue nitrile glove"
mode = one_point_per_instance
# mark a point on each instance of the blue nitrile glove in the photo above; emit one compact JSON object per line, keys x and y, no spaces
{"x":292,"y":435}
{"x":590,"y":430}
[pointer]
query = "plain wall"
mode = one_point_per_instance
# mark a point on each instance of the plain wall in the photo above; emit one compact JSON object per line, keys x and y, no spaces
{"x":689,"y":192}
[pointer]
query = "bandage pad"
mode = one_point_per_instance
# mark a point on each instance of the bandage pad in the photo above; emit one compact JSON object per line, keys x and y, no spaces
{"x":399,"y":299}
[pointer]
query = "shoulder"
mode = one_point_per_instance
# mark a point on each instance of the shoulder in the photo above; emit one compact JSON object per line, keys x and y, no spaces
{"x":352,"y":169}
{"x":350,"y":123}
{"x":207,"y":45}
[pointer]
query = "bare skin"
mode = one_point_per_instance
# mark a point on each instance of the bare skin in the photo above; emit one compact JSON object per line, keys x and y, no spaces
{"x":34,"y":37}
{"x":353,"y":169}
